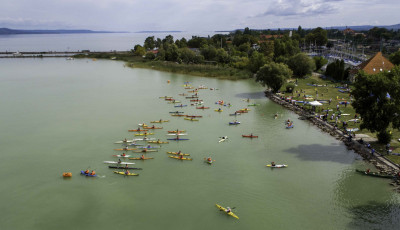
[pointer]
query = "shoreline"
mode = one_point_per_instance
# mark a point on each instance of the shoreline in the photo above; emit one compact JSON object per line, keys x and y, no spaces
{"x":384,"y":165}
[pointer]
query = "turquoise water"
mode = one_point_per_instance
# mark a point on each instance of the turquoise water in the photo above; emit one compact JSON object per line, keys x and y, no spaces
{"x":60,"y":116}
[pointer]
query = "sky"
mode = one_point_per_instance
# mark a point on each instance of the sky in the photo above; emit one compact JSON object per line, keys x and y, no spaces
{"x":194,"y":15}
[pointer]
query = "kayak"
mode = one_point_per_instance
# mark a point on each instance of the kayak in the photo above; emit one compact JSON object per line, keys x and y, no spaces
{"x":178,"y":158}
{"x":122,"y":167}
{"x":121,"y":156}
{"x":223,"y":139}
{"x":235,"y":114}
{"x":158,"y":142}
{"x":182,"y":94}
{"x":143,"y":134}
{"x":123,"y":173}
{"x":154,"y":127}
{"x":165,"y":97}
{"x":202,"y":107}
{"x":289,"y":127}
{"x":169,"y":99}
{"x":234,"y":123}
{"x":250,"y":136}
{"x":194,"y":116}
{"x":143,"y":125}
{"x":177,"y":139}
{"x":277,"y":166}
{"x":253,"y":104}
{"x":134,"y":144}
{"x":192,"y":97}
{"x":123,"y":141}
{"x":149,"y":147}
{"x":88,"y":174}
{"x":178,"y":115}
{"x":138,"y":130}
{"x":160,"y":121}
{"x":176,"y":153}
{"x":228,"y":213}
{"x":177,"y":131}
{"x":173,"y":102}
{"x":176,"y":112}
{"x":191,"y":119}
{"x":125,"y":149}
{"x":374,"y":174}
{"x":176,"y":134}
{"x":240,"y":111}
{"x":180,"y":105}
{"x":195,"y":100}
{"x":218,"y":110}
{"x":245,"y":109}
{"x":139,"y":158}
{"x":116,"y":162}
{"x":67,"y":174}
{"x":146,"y":151}
{"x":144,"y":139}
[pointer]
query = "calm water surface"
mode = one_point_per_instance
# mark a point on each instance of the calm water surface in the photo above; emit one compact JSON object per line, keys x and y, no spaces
{"x":60,"y":115}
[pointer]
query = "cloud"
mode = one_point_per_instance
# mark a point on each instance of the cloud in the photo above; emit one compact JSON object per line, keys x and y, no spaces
{"x":300,"y":8}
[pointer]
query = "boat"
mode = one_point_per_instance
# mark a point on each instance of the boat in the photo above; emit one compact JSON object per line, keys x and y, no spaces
{"x":176,"y":112}
{"x":146,"y":151}
{"x":234,"y":123}
{"x":177,"y":131}
{"x":122,"y":167}
{"x":177,"y":139}
{"x":178,"y":115}
{"x":374,"y":174}
{"x":158,"y":142}
{"x":177,"y":134}
{"x":194,"y":116}
{"x":277,"y":166}
{"x":154,"y":127}
{"x":235,"y":114}
{"x":254,"y":104}
{"x":121,"y":156}
{"x":138,"y":130}
{"x":124,"y":173}
{"x":144,"y":139}
{"x":88,"y":174}
{"x":223,"y":139}
{"x":125,"y":149}
{"x":250,"y":136}
{"x":160,"y":121}
{"x":67,"y":174}
{"x":143,"y":125}
{"x":123,"y":141}
{"x":228,"y":213}
{"x":165,"y":97}
{"x":182,"y":94}
{"x":143,"y":134}
{"x":180,"y":105}
{"x":173,"y":102}
{"x":149,"y":147}
{"x":169,"y":99}
{"x":191,"y":119}
{"x":181,"y":158}
{"x":120,"y":163}
{"x":139,"y":158}
{"x":245,"y":109}
{"x":134,"y":144}
{"x":218,"y":110}
{"x":192,"y":97}
{"x":290,"y":126}
{"x":202,"y":107}
{"x":177,"y":153}
{"x":241,"y":111}
{"x":196,"y":100}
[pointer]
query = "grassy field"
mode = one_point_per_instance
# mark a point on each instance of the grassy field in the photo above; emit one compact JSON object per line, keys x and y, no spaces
{"x":315,"y":87}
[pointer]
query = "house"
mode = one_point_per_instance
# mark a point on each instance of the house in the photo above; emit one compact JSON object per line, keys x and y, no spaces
{"x":269,"y":36}
{"x":376,"y":64}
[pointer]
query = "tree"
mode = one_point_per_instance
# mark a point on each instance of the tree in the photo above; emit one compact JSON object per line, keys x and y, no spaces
{"x":395,"y":58}
{"x":377,"y":100}
{"x":273,"y":75}
{"x":149,"y":43}
{"x":319,"y":62}
{"x":257,"y":60}
{"x":318,"y":36}
{"x":336,"y":70}
{"x":301,"y":65}
{"x":186,"y":55}
{"x":139,"y":50}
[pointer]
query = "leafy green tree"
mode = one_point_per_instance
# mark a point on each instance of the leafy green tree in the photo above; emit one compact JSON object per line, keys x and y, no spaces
{"x":139,"y":50}
{"x":222,"y":56}
{"x":377,"y":100}
{"x":187,"y":56}
{"x":336,"y":70}
{"x":169,"y":39}
{"x":267,"y":48}
{"x":158,"y":43}
{"x":171,"y":52}
{"x":319,"y":62}
{"x":149,"y":43}
{"x":273,"y":75}
{"x":317,"y":36}
{"x":209,"y":52}
{"x":395,"y":58}
{"x":301,"y":65}
{"x":150,"y":56}
{"x":257,"y":60}
{"x":197,"y":42}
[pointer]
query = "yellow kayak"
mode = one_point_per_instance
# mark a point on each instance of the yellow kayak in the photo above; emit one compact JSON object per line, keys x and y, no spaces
{"x":183,"y":154}
{"x":183,"y":158}
{"x":228,"y":213}
{"x":123,"y":173}
{"x":218,"y":110}
{"x":143,"y":134}
{"x":191,"y":119}
{"x":160,"y":121}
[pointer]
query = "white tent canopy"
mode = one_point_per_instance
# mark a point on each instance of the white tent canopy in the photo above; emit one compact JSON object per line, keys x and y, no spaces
{"x":314,"y":103}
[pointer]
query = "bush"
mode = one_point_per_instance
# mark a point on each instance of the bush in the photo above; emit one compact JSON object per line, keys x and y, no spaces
{"x":290,"y":87}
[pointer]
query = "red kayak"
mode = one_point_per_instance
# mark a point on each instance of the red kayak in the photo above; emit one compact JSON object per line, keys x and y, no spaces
{"x":250,"y":136}
{"x":202,"y":107}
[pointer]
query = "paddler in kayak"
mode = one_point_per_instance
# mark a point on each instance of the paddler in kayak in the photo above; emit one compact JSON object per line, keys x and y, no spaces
{"x":219,"y":109}
{"x":209,"y":159}
{"x":161,"y":119}
{"x":127,"y":172}
{"x":153,"y":126}
{"x":179,"y":152}
{"x":123,"y":154}
{"x":119,"y":161}
{"x":273,"y":164}
{"x":228,"y":210}
{"x":142,"y":157}
{"x":93,"y":173}
{"x":125,"y":148}
{"x":87,"y":171}
{"x":181,"y":156}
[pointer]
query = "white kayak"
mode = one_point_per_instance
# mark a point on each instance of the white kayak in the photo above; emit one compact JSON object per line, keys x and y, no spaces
{"x":144,"y":139}
{"x":116,"y":162}
{"x":277,"y":166}
{"x":223,"y":139}
{"x":123,"y":141}
{"x":177,"y":134}
{"x":121,"y":156}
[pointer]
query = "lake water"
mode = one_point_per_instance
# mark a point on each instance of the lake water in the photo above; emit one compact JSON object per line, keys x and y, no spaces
{"x":64,"y":116}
